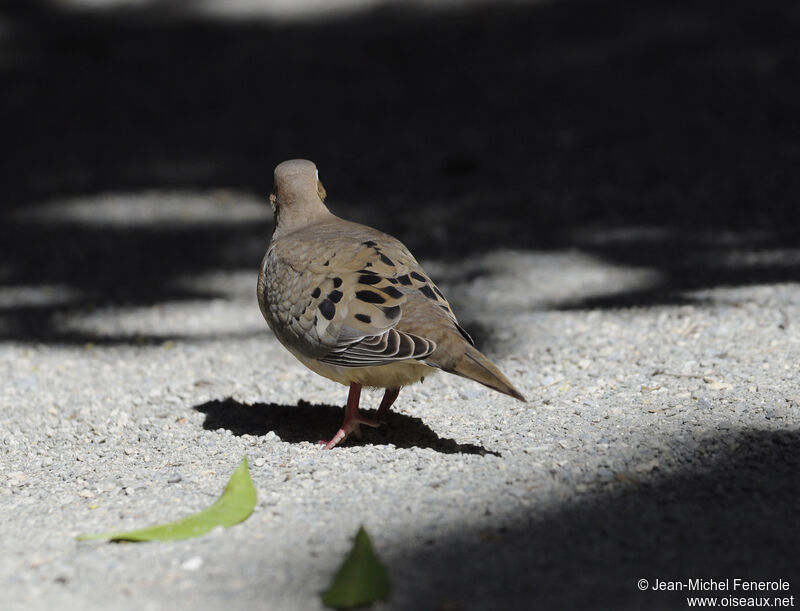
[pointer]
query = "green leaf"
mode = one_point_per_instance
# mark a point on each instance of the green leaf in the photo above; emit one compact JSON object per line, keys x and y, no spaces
{"x":361,"y":580}
{"x":234,"y":506}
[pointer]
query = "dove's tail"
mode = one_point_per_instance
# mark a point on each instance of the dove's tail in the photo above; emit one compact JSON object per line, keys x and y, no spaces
{"x":472,"y":364}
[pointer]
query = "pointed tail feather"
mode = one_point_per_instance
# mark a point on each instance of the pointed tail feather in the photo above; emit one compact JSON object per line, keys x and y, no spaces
{"x":474,"y":365}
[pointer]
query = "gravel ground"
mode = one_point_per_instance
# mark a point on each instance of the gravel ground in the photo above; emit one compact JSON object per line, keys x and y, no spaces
{"x":659,"y":442}
{"x":606,"y":190}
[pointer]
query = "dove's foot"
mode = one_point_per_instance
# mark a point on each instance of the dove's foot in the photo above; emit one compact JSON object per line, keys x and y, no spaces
{"x":353,"y":420}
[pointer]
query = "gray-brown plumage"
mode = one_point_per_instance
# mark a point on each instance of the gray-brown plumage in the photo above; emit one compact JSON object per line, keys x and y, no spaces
{"x":353,"y":305}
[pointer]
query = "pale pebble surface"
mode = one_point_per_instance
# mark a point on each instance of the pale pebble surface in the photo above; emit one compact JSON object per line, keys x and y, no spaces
{"x":635,"y":417}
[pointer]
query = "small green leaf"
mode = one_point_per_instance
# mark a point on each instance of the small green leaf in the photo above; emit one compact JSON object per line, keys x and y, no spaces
{"x":361,"y":580}
{"x":234,"y":506}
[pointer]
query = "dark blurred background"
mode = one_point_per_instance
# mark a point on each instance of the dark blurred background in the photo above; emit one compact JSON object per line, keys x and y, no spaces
{"x":656,"y":133}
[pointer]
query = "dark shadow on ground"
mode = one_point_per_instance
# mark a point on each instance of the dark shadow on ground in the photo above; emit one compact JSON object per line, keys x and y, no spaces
{"x":311,"y":422}
{"x":732,"y":512}
{"x":460,"y":130}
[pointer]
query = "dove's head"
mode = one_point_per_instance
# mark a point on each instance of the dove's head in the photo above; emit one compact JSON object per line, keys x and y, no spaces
{"x":297,"y":196}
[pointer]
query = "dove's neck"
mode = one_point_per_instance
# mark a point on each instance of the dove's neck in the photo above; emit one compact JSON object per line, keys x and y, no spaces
{"x":296,"y":215}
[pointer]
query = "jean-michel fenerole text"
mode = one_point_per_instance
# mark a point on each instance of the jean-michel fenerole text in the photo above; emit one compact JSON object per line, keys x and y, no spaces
{"x":735,"y":584}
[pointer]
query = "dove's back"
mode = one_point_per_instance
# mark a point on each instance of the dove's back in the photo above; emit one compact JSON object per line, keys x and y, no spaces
{"x":367,"y":282}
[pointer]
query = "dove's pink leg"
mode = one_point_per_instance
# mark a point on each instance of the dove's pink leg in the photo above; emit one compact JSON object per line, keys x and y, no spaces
{"x":388,"y":398}
{"x":352,"y":419}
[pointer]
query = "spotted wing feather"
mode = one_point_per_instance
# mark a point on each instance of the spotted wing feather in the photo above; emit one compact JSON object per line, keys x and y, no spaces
{"x":346,"y":309}
{"x":411,"y":277}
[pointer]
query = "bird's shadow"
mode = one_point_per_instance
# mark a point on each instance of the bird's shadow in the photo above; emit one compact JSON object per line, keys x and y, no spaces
{"x":312,"y":422}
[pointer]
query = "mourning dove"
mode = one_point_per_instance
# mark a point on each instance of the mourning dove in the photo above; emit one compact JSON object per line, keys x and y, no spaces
{"x":353,"y":305}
